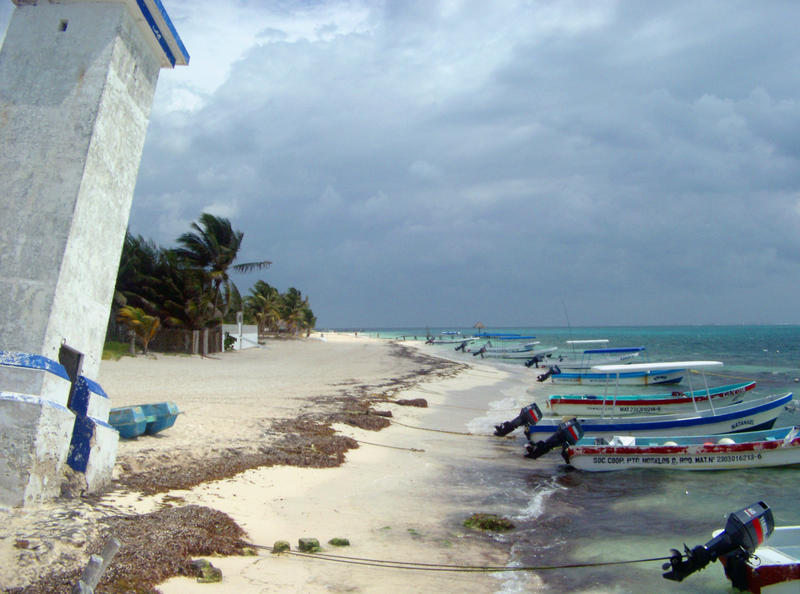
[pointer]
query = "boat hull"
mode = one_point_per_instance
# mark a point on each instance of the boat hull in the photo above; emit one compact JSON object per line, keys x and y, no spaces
{"x":633,"y":378}
{"x":642,"y":404}
{"x":774,"y":567}
{"x":753,"y":450}
{"x":752,"y":415}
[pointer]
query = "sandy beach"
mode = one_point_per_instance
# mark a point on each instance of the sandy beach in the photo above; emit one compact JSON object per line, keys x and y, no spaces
{"x":238,"y":448}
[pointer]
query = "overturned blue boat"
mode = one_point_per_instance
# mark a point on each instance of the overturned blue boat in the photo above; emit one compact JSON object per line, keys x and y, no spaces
{"x":133,"y":421}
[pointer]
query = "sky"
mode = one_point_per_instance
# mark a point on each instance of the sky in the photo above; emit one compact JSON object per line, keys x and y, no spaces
{"x":531,"y":162}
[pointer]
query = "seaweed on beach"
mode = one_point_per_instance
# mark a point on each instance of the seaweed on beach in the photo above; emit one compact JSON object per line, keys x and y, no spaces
{"x":153,"y":548}
{"x":302,"y":442}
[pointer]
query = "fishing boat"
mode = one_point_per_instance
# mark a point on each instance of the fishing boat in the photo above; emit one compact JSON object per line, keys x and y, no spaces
{"x":517,"y":344}
{"x":525,"y":352}
{"x":451,"y":337}
{"x":133,"y":421}
{"x":633,"y":374}
{"x":758,"y":556}
{"x":585,"y":359}
{"x":749,"y":449}
{"x":633,"y":404}
{"x":773,"y":568}
{"x":750,"y":415}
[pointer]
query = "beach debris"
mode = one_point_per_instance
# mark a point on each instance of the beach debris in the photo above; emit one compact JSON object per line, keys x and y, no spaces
{"x":309,"y":545}
{"x":418,"y":402}
{"x":339,"y":542}
{"x":205,"y":572}
{"x":281,"y":546}
{"x":488,"y":523}
{"x":94,"y":569}
{"x":380,"y":413}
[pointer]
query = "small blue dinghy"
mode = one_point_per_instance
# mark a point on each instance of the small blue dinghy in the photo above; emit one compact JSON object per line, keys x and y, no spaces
{"x":133,"y":421}
{"x":164,"y":415}
{"x":130,"y":421}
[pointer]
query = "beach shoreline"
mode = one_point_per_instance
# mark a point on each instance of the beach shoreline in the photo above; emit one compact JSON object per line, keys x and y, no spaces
{"x":386,"y":500}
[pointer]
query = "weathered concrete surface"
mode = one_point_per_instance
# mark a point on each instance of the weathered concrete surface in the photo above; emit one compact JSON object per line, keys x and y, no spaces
{"x":74,"y":107}
{"x":77,"y":81}
{"x":34,"y":441}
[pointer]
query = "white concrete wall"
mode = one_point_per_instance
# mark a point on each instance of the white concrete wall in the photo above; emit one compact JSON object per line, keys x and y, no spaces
{"x":75,"y":107}
{"x":249,"y":336}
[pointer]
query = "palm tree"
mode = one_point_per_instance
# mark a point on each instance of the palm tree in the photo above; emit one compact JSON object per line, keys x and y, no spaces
{"x":294,"y":309}
{"x":213,"y":247}
{"x":264,"y":304}
{"x":143,"y":326}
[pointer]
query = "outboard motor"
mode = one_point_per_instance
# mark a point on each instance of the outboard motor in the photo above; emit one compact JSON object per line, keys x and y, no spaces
{"x":744,"y":531}
{"x":553,"y":370}
{"x":568,"y":433}
{"x":462,"y":347}
{"x":530,"y":415}
{"x":480,"y":352}
{"x":533,"y":362}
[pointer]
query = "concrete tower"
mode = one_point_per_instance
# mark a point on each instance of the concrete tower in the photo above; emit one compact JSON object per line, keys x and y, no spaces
{"x":77,"y":79}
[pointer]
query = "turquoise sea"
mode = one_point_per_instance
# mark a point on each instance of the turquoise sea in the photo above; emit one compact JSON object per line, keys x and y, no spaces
{"x":564,"y":516}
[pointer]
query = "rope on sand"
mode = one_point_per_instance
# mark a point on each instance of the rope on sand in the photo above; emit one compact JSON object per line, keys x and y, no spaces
{"x":382,"y":445}
{"x":453,"y":568}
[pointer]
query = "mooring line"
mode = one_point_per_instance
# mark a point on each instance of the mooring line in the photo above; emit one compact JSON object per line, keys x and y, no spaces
{"x":382,"y":445}
{"x":452,"y":568}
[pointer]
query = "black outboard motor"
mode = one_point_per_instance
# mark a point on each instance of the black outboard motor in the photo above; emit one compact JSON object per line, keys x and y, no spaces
{"x":553,"y":370}
{"x":529,"y":415}
{"x":480,"y":352}
{"x":462,"y":346}
{"x":533,"y":362}
{"x":744,"y":531}
{"x":568,"y":433}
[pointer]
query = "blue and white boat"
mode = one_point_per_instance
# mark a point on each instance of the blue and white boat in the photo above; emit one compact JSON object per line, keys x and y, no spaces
{"x":750,"y":415}
{"x":632,"y":374}
{"x":585,"y":359}
{"x":519,"y":349}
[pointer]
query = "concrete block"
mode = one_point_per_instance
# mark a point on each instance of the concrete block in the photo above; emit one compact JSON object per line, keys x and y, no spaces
{"x":34,"y":442}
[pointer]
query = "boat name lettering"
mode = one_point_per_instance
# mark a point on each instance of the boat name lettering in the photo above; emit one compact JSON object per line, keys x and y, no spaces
{"x":742,"y":423}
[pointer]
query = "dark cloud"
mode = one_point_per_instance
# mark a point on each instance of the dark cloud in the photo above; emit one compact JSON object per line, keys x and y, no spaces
{"x":414,"y":163}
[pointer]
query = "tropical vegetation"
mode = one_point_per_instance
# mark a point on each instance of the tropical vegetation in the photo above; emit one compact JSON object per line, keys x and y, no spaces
{"x":189,"y":286}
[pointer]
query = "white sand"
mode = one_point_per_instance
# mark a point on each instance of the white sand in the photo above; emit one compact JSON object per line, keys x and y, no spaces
{"x":389,"y":503}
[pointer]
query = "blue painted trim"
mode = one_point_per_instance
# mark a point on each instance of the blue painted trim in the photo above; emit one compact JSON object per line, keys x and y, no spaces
{"x":590,"y":427}
{"x":95,"y":387}
{"x":27,"y":399}
{"x":615,"y":350}
{"x":31,"y":361}
{"x":172,"y":30}
{"x":156,"y":31}
{"x":613,"y":376}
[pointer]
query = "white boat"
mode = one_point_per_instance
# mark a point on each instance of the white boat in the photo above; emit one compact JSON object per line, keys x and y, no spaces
{"x":749,"y":449}
{"x":451,"y":338}
{"x":758,"y":556}
{"x":750,"y":415}
{"x":646,"y":404}
{"x":632,"y":374}
{"x":773,"y":568}
{"x":585,"y":359}
{"x":513,"y":344}
{"x":525,"y":353}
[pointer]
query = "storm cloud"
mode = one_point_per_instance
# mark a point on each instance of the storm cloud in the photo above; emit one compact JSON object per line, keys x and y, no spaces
{"x":438,"y":163}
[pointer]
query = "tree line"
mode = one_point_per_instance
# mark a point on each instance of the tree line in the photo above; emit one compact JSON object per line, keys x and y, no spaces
{"x":188,"y":287}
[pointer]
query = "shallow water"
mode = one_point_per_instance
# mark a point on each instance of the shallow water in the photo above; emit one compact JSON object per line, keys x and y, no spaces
{"x":564,"y":516}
